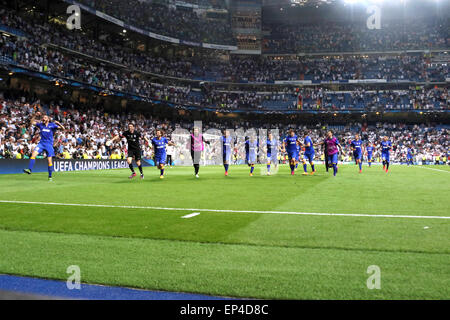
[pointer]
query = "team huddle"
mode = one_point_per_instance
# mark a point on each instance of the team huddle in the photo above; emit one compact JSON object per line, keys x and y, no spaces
{"x":298,"y":150}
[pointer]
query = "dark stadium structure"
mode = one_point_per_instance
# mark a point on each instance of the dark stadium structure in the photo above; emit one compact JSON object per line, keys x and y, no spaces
{"x":269,"y":62}
{"x":280,"y":59}
{"x":359,"y":68}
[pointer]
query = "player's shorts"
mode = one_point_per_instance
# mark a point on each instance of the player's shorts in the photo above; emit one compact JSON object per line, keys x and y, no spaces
{"x":293,"y":155}
{"x":369,"y":157}
{"x":357,"y":155}
{"x":45,"y":147}
{"x":333,"y":158}
{"x":385,"y":157}
{"x":160,"y":159}
{"x":251,"y":158}
{"x":308,"y":157}
{"x":135,"y":153}
{"x":226,"y":157}
{"x":273,"y":158}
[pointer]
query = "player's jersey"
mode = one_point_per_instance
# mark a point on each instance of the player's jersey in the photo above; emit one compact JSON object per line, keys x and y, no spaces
{"x":291,"y":143}
{"x":132,"y":139}
{"x":251,"y":147}
{"x":369,"y":151}
{"x":310,"y":149}
{"x":272,"y":147}
{"x":386,"y":147}
{"x":159,"y":145}
{"x":356,"y":146}
{"x":409,"y":153}
{"x":331,"y":145}
{"x":47,"y":132}
{"x":226,"y":148}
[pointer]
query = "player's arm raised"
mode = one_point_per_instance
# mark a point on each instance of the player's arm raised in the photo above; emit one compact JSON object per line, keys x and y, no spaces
{"x":117,"y":137}
{"x":318,"y":144}
{"x":149,"y":143}
{"x":205,"y":141}
{"x":60,"y":126}
{"x":33,"y":120}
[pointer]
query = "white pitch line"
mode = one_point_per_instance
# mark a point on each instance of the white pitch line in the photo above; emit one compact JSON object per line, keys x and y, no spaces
{"x":432,"y":169}
{"x":190,"y":215}
{"x":229,"y":211}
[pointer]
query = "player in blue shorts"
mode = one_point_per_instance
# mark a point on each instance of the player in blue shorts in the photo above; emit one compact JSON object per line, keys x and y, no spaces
{"x":290,"y":144}
{"x":332,"y":148}
{"x":299,"y":154}
{"x":308,"y":155}
{"x":159,"y":146}
{"x":251,"y":152}
{"x":410,"y":156}
{"x":272,"y":152}
{"x":226,"y":150}
{"x":386,"y":147}
{"x":356,"y":146}
{"x":369,"y":151}
{"x":47,"y":130}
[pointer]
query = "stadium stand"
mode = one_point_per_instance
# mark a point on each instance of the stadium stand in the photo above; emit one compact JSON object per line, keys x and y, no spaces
{"x":88,"y":130}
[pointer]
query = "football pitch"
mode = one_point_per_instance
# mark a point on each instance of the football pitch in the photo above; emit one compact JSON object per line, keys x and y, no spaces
{"x":274,"y":237}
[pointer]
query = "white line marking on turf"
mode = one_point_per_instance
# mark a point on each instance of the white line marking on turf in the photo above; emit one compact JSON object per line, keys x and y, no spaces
{"x":190,"y":215}
{"x":228,"y":211}
{"x":432,"y":169}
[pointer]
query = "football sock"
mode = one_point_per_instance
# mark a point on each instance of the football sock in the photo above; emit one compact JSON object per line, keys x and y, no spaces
{"x":31,"y":164}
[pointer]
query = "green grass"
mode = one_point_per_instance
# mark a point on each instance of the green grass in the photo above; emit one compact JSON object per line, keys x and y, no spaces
{"x":263,"y":255}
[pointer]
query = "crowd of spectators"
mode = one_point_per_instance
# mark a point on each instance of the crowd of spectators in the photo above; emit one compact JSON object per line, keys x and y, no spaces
{"x":413,"y":34}
{"x":35,"y":53}
{"x":412,"y":67}
{"x":87,"y":130}
{"x":167,"y":19}
{"x":60,"y":64}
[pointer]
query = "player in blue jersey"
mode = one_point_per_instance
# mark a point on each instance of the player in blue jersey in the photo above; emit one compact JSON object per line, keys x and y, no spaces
{"x":226,"y":150}
{"x":299,"y":154}
{"x":386,"y":147}
{"x":159,"y":147}
{"x":272,"y":152}
{"x":409,"y":156}
{"x":357,"y":148}
{"x":290,"y":145}
{"x":47,"y":130}
{"x":369,"y":152}
{"x":251,"y":152}
{"x":308,"y":155}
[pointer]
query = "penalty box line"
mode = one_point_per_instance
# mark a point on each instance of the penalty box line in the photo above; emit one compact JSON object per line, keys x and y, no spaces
{"x":226,"y":210}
